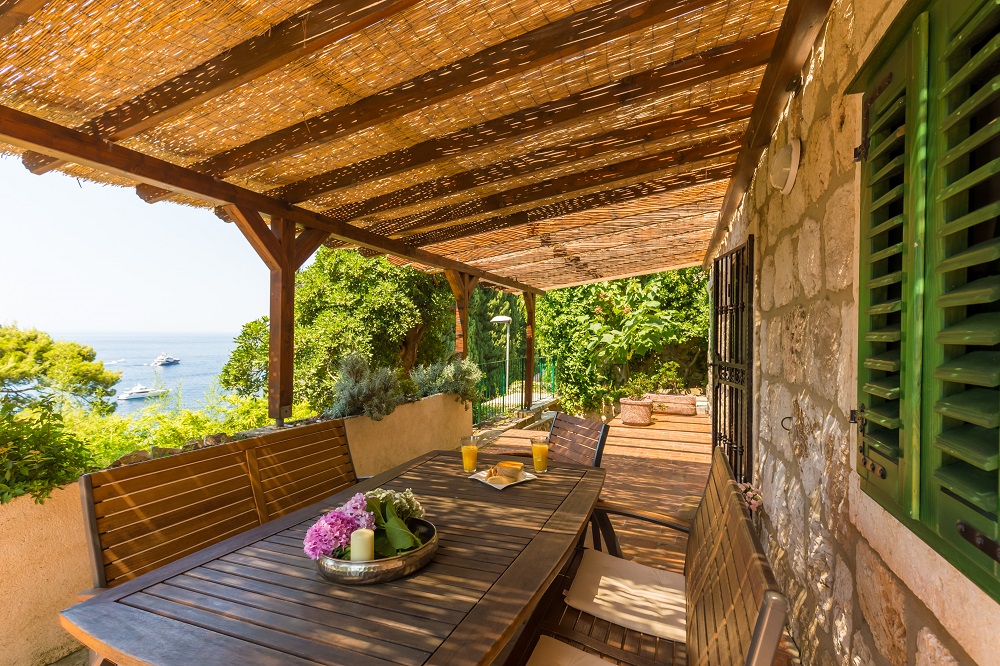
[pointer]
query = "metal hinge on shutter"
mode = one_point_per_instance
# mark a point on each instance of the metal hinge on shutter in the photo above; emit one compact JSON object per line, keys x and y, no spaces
{"x":861,"y":152}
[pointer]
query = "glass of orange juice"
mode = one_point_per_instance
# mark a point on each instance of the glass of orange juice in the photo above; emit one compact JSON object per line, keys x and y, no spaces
{"x":470,"y":451}
{"x":540,"y":453}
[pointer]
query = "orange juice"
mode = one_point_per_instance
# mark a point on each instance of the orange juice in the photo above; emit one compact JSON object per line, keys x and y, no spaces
{"x":469,"y":454}
{"x":540,"y":455}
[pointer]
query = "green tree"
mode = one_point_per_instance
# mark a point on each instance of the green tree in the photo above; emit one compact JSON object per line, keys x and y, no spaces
{"x":344,"y":302}
{"x":33,"y":366}
{"x":603,"y":333}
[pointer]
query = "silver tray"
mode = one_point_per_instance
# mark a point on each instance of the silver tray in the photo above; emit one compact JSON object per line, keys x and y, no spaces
{"x":388,"y":568}
{"x":481,"y":476}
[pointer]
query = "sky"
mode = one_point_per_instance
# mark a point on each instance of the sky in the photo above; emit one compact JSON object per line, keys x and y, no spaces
{"x":78,"y":256}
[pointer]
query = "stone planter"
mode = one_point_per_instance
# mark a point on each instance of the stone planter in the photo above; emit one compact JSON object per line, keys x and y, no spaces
{"x":670,"y":403}
{"x":43,"y":556}
{"x":435,"y":422}
{"x":637,"y":412}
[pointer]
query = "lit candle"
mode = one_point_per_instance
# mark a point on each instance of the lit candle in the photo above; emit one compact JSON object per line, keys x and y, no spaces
{"x":362,"y":545}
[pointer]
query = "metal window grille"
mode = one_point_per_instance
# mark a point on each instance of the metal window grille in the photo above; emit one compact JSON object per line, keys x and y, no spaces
{"x":732,"y":358}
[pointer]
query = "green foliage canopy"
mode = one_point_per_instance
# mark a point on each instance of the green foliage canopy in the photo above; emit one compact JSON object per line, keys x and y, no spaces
{"x":603,"y":333}
{"x":344,"y":302}
{"x":33,"y":365}
{"x":37,"y":452}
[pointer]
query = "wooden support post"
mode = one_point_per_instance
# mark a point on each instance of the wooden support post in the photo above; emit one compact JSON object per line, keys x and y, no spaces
{"x":280,"y":361}
{"x":283,"y":253}
{"x":462,"y":285}
{"x":529,"y":349}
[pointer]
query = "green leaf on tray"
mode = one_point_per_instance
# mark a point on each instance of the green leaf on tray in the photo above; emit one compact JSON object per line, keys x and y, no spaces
{"x":398,"y":533}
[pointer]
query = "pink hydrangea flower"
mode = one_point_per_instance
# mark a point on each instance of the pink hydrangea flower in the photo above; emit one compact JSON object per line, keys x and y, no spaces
{"x":330,"y":533}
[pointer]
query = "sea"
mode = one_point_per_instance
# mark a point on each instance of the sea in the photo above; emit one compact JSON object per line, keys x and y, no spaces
{"x":202,"y":356}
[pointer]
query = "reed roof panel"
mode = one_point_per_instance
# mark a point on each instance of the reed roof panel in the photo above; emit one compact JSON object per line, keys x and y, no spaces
{"x":437,"y":173}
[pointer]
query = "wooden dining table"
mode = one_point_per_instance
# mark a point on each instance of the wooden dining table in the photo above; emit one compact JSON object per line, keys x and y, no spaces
{"x":257,"y":599}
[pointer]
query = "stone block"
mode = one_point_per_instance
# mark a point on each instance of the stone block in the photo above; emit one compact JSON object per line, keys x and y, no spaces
{"x":843,"y":606}
{"x":818,"y":159}
{"x":795,"y":348}
{"x":840,"y":229}
{"x":785,"y":272}
{"x":861,"y":651}
{"x":882,"y":601}
{"x":931,"y":652}
{"x":774,"y":340}
{"x":824,"y":348}
{"x":810,"y":258}
{"x":767,"y":284}
{"x":847,"y":373}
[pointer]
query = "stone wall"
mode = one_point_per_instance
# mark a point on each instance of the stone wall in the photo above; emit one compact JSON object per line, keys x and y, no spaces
{"x":863,"y":589}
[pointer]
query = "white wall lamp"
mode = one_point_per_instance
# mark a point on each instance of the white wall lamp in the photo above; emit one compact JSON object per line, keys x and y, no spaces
{"x":785,"y":166}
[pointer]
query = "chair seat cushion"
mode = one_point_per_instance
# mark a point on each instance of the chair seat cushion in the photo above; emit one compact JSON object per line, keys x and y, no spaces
{"x":632,"y":595}
{"x":550,"y":652}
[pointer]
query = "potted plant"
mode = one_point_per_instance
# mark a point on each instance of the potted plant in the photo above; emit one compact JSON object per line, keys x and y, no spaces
{"x":666,"y":394}
{"x":637,"y":408}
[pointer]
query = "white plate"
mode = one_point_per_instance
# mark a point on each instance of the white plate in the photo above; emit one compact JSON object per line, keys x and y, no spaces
{"x":481,"y":476}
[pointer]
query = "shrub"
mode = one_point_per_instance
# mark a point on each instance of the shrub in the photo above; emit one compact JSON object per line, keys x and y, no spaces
{"x":460,"y":376}
{"x":361,"y":390}
{"x":37,"y":454}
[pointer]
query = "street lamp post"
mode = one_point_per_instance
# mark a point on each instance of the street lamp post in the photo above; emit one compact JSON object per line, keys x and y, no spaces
{"x":504,"y":319}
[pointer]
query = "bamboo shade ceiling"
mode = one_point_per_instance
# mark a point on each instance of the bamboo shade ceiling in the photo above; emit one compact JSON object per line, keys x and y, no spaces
{"x":557,"y":142}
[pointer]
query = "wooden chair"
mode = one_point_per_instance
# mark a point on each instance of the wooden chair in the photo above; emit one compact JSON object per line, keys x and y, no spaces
{"x":726,"y":608}
{"x":142,"y":516}
{"x":577,"y":440}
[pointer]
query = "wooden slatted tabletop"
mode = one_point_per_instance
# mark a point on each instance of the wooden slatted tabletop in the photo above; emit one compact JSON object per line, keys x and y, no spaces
{"x":257,"y":599}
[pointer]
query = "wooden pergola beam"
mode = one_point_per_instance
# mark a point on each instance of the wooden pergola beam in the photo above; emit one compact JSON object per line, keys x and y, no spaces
{"x":799,"y":29}
{"x":682,"y":74}
{"x":647,"y":165}
{"x":31,"y":133}
{"x":698,"y":118}
{"x":294,"y":38}
{"x":15,"y":12}
{"x":585,"y":202}
{"x":568,"y":36}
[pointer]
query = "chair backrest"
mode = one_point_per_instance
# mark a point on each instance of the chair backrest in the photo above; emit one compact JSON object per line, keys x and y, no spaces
{"x":142,"y":516}
{"x":735,"y":611}
{"x":577,"y":440}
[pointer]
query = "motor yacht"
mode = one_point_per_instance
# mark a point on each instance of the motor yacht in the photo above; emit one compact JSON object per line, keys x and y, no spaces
{"x":138,"y":392}
{"x":163,"y":359}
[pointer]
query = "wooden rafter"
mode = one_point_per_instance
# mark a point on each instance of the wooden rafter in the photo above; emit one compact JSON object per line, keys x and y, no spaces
{"x":557,"y":282}
{"x":31,"y":133}
{"x":622,"y":248}
{"x":682,"y":74}
{"x":497,"y":258}
{"x":296,"y":37}
{"x":675,"y":205}
{"x":647,"y":165}
{"x":799,"y":29}
{"x":585,"y":202}
{"x":566,"y":37}
{"x":697,"y":118}
{"x":15,"y":12}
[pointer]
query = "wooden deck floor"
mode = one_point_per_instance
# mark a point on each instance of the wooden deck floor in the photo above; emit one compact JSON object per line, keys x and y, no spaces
{"x":661,"y":467}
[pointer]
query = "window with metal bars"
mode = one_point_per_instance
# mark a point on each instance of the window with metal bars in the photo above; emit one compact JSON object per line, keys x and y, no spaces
{"x":929,"y":283}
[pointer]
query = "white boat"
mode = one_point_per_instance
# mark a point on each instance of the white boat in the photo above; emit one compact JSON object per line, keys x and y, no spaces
{"x":163,"y":359}
{"x":138,"y":392}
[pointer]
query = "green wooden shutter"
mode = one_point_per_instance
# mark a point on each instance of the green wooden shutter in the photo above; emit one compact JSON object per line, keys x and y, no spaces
{"x":893,"y":178}
{"x":962,"y":343}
